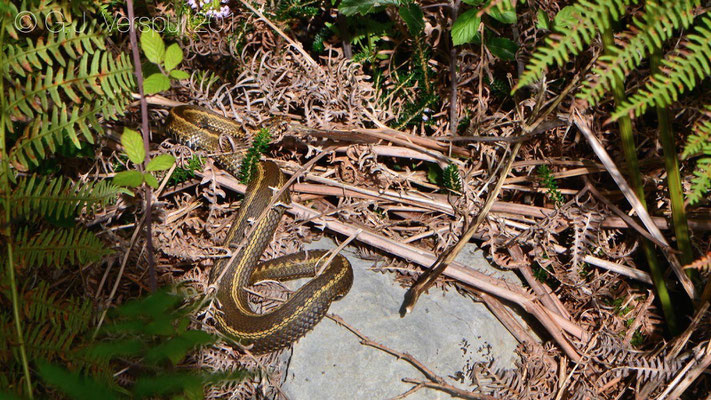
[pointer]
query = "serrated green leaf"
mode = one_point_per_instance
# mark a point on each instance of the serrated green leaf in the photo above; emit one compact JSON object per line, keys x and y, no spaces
{"x":414,"y":18}
{"x":507,"y":16}
{"x":542,"y":21}
{"x":178,"y":74}
{"x":173,"y":56}
{"x":466,"y":27}
{"x":156,"y":83}
{"x":152,"y":46}
{"x":363,"y":7}
{"x":160,"y":162}
{"x":132,"y":142}
{"x":503,"y":48}
{"x":150,"y":180}
{"x":131,"y":178}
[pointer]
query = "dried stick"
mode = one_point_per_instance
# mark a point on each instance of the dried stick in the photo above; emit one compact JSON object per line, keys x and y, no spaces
{"x":600,"y":151}
{"x":428,"y":278}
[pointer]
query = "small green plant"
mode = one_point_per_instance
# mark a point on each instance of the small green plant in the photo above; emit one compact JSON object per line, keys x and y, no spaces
{"x":451,"y":179}
{"x":540,"y":274}
{"x":251,"y":159}
{"x":366,"y":34}
{"x":165,"y":59}
{"x":466,"y":28}
{"x":548,"y":182}
{"x":181,"y":175}
{"x":133,"y":147}
{"x":638,"y":339}
{"x":152,"y":335}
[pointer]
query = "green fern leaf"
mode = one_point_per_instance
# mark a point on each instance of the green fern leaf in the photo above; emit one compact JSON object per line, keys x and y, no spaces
{"x":699,"y":141}
{"x":701,"y":182}
{"x":679,"y":72}
{"x":106,"y":77}
{"x":71,"y":40}
{"x":52,"y":325}
{"x":45,"y":133}
{"x":657,"y":25}
{"x":58,"y":197}
{"x":568,"y":41}
{"x":57,"y":246}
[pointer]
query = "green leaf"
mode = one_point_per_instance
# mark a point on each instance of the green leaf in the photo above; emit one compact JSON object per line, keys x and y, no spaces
{"x":150,"y":180}
{"x":73,"y":384}
{"x":505,"y":16}
{"x":542,"y":21}
{"x":434,"y":174}
{"x":131,"y":178}
{"x":176,"y":348}
{"x":173,"y":56}
{"x":363,"y":7}
{"x":412,"y":14}
{"x":160,"y":163}
{"x":178,"y":74}
{"x":473,"y":2}
{"x":466,"y":27}
{"x":565,"y":18}
{"x":153,"y":46}
{"x":156,"y":83}
{"x":132,"y":142}
{"x":503,"y":48}
{"x":161,"y":386}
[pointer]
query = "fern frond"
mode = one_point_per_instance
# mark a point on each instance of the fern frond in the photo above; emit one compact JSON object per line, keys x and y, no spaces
{"x":679,"y":72}
{"x":568,"y":41}
{"x":52,"y":325}
{"x":701,"y":182}
{"x":56,"y":246}
{"x":72,"y":40}
{"x":58,"y":197}
{"x":73,"y":314}
{"x":49,"y":131}
{"x":657,"y":25}
{"x":701,"y":264}
{"x":699,"y":140}
{"x":100,"y":72}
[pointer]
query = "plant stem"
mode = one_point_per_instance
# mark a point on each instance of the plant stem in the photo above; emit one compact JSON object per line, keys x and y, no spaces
{"x":671,"y":162}
{"x":146,"y":140}
{"x":630,"y":151}
{"x":7,"y":231}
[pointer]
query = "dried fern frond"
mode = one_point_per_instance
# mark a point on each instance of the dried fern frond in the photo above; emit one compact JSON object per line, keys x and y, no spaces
{"x":702,"y":264}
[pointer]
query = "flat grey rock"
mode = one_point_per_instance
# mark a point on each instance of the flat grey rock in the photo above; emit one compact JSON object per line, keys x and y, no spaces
{"x":446,"y":332}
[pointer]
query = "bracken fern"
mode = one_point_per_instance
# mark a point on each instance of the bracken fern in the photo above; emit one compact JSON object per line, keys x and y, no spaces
{"x":681,"y":71}
{"x":568,"y":41}
{"x":657,"y":25}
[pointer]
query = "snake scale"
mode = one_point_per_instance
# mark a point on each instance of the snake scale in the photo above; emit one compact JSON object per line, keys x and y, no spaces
{"x":202,"y":129}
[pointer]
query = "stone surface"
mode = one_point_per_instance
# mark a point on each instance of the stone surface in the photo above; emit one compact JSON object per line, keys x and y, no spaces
{"x":446,"y":331}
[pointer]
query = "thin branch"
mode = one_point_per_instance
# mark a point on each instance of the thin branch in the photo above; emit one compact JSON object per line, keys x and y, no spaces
{"x":148,"y":192}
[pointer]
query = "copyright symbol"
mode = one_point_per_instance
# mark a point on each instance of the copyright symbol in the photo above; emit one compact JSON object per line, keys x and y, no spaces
{"x":25,"y":21}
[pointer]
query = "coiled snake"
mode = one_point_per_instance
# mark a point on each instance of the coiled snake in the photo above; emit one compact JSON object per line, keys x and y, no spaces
{"x":202,"y":129}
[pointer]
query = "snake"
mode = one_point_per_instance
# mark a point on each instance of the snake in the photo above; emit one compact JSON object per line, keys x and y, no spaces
{"x":202,"y":129}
